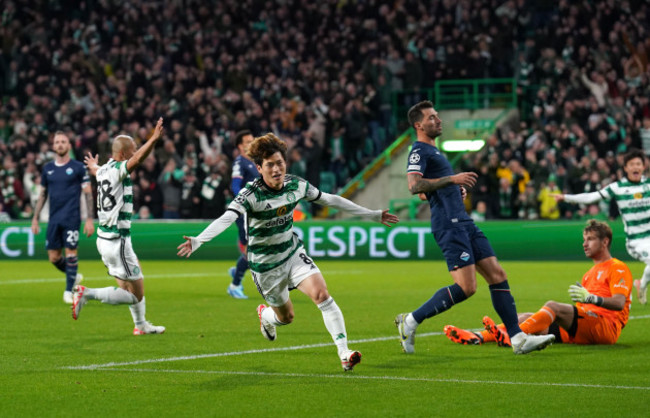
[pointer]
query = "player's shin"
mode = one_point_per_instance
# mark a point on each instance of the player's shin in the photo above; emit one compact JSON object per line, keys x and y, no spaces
{"x":539,"y":321}
{"x":442,"y":300}
{"x":504,"y":304}
{"x":335,"y":324}
{"x":111,"y":295}
{"x":71,"y":264}
{"x":138,"y":311}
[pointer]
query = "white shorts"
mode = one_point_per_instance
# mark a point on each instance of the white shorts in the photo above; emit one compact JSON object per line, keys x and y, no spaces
{"x":120,"y":259}
{"x":274,"y":285}
{"x":639,"y":249}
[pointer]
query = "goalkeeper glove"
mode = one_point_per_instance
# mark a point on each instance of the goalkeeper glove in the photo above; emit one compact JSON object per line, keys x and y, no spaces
{"x":580,"y":294}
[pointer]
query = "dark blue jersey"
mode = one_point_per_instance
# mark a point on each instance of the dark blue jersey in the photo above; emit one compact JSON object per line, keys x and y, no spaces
{"x":243,"y":171}
{"x":447,"y":208}
{"x":63,"y":185}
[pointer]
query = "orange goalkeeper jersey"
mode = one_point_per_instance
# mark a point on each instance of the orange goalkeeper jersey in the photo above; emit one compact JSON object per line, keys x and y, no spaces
{"x":606,"y":279}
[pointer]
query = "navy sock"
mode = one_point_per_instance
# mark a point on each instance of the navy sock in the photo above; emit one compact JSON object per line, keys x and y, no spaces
{"x":60,"y":264}
{"x":240,"y":270}
{"x":504,"y":304}
{"x":442,"y":300}
{"x":70,"y":272}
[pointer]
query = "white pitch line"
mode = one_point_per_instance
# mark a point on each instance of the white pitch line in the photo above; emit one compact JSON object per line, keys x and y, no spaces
{"x":149,"y":276}
{"x":235,"y":353}
{"x":255,"y":351}
{"x":360,"y":377}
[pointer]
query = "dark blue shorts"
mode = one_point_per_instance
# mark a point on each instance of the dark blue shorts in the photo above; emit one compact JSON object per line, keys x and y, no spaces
{"x":61,"y":235}
{"x":463,"y":246}
{"x":243,"y":237}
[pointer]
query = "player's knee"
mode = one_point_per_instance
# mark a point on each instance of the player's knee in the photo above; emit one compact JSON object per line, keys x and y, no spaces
{"x":552,"y":305}
{"x":469,"y":289}
{"x":321,"y":296}
{"x":54,"y":258}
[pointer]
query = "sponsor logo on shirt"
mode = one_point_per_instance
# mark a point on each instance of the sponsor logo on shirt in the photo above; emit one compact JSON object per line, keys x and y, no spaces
{"x":279,"y":221}
{"x":50,"y":172}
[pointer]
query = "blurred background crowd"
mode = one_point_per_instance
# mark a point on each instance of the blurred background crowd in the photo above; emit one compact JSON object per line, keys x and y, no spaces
{"x":322,"y":76}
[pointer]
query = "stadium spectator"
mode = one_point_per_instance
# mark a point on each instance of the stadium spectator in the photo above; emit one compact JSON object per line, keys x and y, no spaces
{"x":87,"y":70}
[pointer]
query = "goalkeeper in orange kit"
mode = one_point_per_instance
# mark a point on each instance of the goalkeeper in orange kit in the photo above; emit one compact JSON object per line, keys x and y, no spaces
{"x":602,"y":302}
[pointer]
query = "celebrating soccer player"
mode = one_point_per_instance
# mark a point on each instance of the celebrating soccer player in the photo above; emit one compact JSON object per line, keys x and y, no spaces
{"x":63,"y":180}
{"x":602,"y":302}
{"x":463,"y":245}
{"x":114,"y":210}
{"x":632,"y":195}
{"x":276,"y":256}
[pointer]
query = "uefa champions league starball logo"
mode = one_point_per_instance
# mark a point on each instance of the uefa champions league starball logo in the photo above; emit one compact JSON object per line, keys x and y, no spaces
{"x":414,"y":158}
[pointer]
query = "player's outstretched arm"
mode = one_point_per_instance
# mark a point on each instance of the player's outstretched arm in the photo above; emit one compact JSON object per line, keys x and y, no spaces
{"x":143,"y":152}
{"x":582,"y":198}
{"x":344,"y":204}
{"x":417,"y":184}
{"x":217,"y":226}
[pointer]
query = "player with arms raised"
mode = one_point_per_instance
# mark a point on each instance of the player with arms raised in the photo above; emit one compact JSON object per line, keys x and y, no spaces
{"x":114,"y":210}
{"x":463,"y":245}
{"x":276,"y":256}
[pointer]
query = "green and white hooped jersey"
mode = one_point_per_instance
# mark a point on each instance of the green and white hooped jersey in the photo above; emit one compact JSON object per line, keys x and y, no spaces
{"x":271,"y":240}
{"x":633,"y":201}
{"x":114,"y":200}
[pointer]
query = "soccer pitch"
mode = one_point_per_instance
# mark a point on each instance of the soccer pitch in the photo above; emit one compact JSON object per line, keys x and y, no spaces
{"x":213,"y":361}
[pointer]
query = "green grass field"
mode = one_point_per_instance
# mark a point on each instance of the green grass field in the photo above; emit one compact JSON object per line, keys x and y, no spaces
{"x":213,"y":361}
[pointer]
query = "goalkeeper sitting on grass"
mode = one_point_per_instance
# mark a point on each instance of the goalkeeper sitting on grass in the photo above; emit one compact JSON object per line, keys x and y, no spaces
{"x":602,"y":302}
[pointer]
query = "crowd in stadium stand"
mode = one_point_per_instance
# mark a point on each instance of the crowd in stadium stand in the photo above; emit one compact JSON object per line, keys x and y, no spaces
{"x":321,"y":75}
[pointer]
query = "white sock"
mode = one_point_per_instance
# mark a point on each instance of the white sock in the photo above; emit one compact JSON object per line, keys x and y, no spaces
{"x":268,"y":314}
{"x":335,"y":324}
{"x":111,"y":295}
{"x":646,"y":277}
{"x":138,"y":310}
{"x":410,"y":322}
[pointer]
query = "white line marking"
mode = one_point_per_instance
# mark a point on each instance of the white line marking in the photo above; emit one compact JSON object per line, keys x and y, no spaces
{"x":255,"y":351}
{"x":237,"y":353}
{"x":407,"y":379}
{"x":149,"y":276}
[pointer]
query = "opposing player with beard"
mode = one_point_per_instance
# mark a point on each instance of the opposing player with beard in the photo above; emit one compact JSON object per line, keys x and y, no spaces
{"x":63,"y":180}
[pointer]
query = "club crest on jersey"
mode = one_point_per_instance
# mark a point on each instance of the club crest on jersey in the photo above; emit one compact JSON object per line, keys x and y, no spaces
{"x":414,"y":158}
{"x":69,"y":171}
{"x":281,"y":211}
{"x":291,"y":197}
{"x":464,"y":256}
